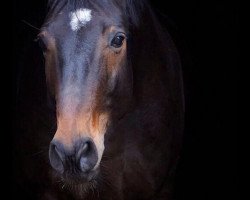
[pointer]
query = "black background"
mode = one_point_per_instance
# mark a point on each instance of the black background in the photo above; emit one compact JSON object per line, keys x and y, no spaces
{"x":206,"y":35}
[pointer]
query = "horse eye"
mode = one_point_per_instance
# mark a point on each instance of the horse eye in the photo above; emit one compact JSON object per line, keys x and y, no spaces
{"x":41,"y":44}
{"x":117,"y":41}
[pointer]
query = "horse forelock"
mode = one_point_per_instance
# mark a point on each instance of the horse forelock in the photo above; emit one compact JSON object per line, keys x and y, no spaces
{"x":131,"y":9}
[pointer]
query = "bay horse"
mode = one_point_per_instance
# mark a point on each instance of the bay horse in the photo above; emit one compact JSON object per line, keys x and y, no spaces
{"x":116,"y":80}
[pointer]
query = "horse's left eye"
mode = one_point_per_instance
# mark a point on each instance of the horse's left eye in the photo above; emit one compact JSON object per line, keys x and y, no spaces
{"x":118,"y":40}
{"x":41,"y":43}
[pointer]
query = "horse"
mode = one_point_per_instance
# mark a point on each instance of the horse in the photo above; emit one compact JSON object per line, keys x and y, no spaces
{"x":115,"y":76}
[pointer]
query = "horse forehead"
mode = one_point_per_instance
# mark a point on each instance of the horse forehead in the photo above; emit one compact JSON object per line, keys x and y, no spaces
{"x":79,"y":18}
{"x":82,"y":16}
{"x":69,"y":23}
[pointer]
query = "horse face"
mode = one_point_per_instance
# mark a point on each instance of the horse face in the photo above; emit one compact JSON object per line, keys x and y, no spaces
{"x":86,"y":70}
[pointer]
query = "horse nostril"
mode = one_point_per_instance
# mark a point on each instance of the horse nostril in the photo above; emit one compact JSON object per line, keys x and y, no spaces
{"x":87,"y":155}
{"x":82,"y":157}
{"x":56,"y":157}
{"x":85,"y":147}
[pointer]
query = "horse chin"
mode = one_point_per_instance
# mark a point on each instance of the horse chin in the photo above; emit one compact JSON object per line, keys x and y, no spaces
{"x":79,"y":185}
{"x":81,"y":189}
{"x":81,"y":179}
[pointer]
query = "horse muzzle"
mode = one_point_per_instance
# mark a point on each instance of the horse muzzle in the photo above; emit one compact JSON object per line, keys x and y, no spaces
{"x":77,"y":162}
